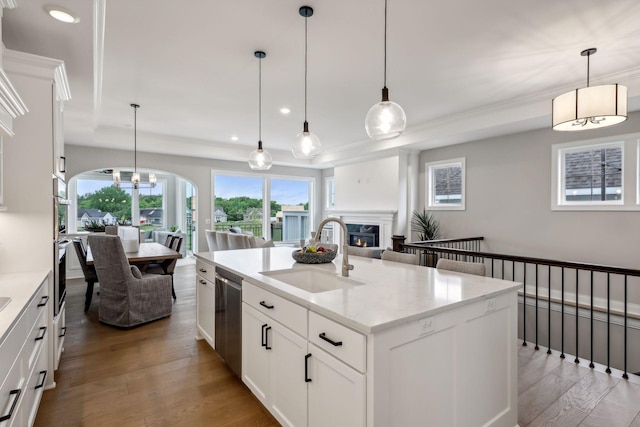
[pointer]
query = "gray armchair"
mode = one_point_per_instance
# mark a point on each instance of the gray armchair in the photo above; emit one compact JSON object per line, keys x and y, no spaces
{"x":126,"y":297}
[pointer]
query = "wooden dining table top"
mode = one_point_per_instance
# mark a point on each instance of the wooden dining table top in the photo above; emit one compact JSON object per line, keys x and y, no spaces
{"x":146,"y":253}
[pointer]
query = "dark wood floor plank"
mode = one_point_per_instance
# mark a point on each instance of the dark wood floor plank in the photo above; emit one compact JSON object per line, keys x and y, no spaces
{"x":153,"y":375}
{"x":537,"y":398}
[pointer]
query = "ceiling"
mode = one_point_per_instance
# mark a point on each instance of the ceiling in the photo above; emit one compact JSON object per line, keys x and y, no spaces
{"x":462,"y":69}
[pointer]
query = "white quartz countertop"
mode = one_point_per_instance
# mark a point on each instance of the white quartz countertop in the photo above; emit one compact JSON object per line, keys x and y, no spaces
{"x":20,"y":287}
{"x":394,"y":293}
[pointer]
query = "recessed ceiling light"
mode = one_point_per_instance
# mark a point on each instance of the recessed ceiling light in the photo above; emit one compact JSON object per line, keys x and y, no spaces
{"x":61,"y":14}
{"x":285,"y":110}
{"x":234,"y":138}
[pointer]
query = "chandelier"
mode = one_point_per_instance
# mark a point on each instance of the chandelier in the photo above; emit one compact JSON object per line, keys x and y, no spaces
{"x":135,"y":176}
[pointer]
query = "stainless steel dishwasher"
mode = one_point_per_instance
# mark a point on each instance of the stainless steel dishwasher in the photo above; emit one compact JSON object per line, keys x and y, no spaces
{"x":229,"y":318}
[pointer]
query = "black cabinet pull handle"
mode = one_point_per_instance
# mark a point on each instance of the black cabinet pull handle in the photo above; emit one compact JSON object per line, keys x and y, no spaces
{"x":264,"y":343}
{"x":306,"y":368}
{"x":43,"y":301}
{"x":43,"y":379}
{"x":13,"y":405}
{"x":203,"y":282}
{"x":265,"y":305}
{"x":64,"y":332}
{"x":329,"y":340}
{"x":43,"y":329}
{"x":266,"y":338}
{"x":202,"y":270}
{"x":63,"y":164}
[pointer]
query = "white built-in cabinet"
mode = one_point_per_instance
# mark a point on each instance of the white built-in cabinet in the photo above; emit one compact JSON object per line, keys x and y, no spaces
{"x":205,"y":302}
{"x":299,"y":382}
{"x":25,"y":362}
{"x":31,"y":159}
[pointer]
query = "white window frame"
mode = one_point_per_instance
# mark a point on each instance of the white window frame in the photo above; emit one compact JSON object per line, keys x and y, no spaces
{"x":430,"y":169}
{"x":630,"y":194}
{"x":266,"y":194}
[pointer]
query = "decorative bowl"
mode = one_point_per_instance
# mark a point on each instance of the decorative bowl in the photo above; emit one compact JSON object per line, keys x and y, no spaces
{"x":313,"y":258}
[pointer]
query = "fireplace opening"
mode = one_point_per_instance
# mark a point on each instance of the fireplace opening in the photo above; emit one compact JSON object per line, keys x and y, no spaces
{"x":363,"y":235}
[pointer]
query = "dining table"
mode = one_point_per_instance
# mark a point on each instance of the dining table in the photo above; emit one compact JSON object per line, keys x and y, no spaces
{"x":147,"y":253}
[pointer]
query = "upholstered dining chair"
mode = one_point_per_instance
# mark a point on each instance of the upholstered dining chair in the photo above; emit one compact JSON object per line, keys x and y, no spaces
{"x":211,"y":240}
{"x":476,"y":268}
{"x":89,"y":271}
{"x":111,"y":230}
{"x":363,"y":252}
{"x":127,"y":298}
{"x":222,"y":240}
{"x":400,"y":257}
{"x":167,"y":266}
{"x":238,"y":241}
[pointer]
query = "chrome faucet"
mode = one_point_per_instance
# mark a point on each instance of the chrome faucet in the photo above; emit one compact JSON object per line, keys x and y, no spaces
{"x":345,"y":245}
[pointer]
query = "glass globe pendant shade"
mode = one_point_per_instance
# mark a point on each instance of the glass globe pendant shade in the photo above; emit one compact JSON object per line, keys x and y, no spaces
{"x":306,"y":145}
{"x":260,"y":159}
{"x":386,"y":119}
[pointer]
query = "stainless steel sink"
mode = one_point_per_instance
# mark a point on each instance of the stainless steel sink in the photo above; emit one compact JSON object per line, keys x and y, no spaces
{"x":4,"y":301}
{"x":312,"y":280}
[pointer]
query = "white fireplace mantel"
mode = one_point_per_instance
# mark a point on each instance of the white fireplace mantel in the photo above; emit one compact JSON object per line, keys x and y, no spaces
{"x":385,"y":219}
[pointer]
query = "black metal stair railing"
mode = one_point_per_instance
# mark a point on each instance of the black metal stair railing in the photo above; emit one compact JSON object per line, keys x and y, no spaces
{"x":531,"y":272}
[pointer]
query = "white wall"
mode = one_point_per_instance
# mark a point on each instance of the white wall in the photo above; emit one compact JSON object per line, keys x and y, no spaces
{"x":508,"y":201}
{"x":368,"y":185}
{"x":197,"y":170}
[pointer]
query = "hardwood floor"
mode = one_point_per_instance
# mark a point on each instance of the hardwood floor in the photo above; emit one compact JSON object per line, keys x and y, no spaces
{"x":153,"y":375}
{"x":557,"y":392}
{"x":159,"y":375}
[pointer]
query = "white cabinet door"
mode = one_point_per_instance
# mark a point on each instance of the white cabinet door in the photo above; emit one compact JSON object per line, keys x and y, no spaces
{"x":255,"y":354}
{"x":287,"y":385}
{"x":205,"y":309}
{"x":337,"y":392}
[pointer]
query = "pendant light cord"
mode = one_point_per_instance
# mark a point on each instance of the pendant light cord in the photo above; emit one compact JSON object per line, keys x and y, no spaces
{"x":588,"y":57}
{"x":135,"y":138}
{"x":305,"y":68}
{"x":260,"y":101}
{"x":385,"y":43}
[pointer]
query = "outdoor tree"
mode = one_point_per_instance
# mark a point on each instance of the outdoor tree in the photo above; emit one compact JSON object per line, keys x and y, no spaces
{"x":108,"y":199}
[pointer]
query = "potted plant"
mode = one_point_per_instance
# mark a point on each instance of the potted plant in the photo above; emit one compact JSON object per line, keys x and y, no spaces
{"x":428,"y":228}
{"x":94,"y":226}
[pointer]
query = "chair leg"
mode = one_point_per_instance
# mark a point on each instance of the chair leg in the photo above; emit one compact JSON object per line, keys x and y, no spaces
{"x":173,"y":291}
{"x":88,"y":296}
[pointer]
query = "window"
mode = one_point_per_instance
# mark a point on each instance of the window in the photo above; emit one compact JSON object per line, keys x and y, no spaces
{"x":240,"y":202}
{"x":445,"y":184}
{"x":98,"y":202}
{"x":591,"y":175}
{"x":330,"y":192}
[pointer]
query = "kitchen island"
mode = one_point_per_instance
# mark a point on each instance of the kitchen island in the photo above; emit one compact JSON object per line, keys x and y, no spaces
{"x":394,"y":344}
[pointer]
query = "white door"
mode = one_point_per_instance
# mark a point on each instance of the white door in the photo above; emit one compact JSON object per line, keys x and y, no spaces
{"x":255,"y":354}
{"x":287,"y":385}
{"x":337,"y":392}
{"x":205,"y":309}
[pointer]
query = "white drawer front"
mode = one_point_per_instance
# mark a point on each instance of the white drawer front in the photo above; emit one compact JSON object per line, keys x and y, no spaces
{"x":205,"y":270}
{"x":15,"y":340}
{"x":338,"y":340}
{"x":286,"y":312}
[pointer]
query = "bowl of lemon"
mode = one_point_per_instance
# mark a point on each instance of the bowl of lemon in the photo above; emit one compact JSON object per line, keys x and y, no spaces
{"x":314,"y":255}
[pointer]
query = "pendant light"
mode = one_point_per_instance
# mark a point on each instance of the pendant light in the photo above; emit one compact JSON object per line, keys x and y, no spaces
{"x":135,"y":177}
{"x":306,"y":145}
{"x":386,"y":119}
{"x":260,"y":159}
{"x":591,"y":107}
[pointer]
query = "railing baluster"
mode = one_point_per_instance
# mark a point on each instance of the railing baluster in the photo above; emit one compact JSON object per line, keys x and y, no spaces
{"x":549,"y":311}
{"x":562,"y":317}
{"x":608,"y":370}
{"x":535,"y":277}
{"x":591,"y":365}
{"x":524,"y":306}
{"x":577,"y":359}
{"x":624,"y":375}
